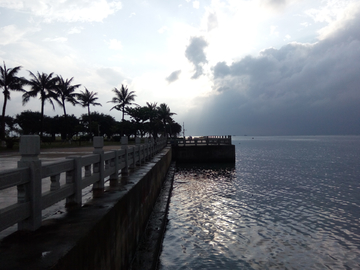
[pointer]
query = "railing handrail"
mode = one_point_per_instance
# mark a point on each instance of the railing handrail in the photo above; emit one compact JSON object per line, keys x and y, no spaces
{"x":203,"y":140}
{"x":97,"y":166}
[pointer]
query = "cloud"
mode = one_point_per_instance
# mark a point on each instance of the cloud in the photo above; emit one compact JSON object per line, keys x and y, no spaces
{"x":297,"y":89}
{"x":212,"y":21}
{"x":173,"y":76}
{"x":195,"y":54}
{"x":110,"y":76}
{"x":10,"y":34}
{"x":196,"y":4}
{"x":66,"y":10}
{"x":275,"y":3}
{"x":76,"y":30}
{"x":273,"y":31}
{"x":162,"y":29}
{"x":56,"y":39}
{"x":115,"y":44}
{"x":337,"y":16}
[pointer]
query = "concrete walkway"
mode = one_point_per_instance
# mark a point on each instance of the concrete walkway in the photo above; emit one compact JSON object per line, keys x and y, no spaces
{"x":9,"y":159}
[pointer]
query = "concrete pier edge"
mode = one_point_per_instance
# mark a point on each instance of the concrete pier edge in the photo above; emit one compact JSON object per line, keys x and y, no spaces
{"x":103,"y":234}
{"x":149,"y":249}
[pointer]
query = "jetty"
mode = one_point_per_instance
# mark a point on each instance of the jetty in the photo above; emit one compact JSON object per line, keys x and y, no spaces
{"x":104,"y":231}
{"x":204,"y":149}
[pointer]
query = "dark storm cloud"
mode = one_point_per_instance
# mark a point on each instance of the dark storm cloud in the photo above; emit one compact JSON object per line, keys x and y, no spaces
{"x":297,"y":89}
{"x":195,"y":54}
{"x":173,"y":76}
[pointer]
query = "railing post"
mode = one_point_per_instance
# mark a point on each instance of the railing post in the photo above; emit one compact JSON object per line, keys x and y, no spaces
{"x":98,"y":187}
{"x":115,"y":176}
{"x":31,"y":192}
{"x":138,"y":147}
{"x":146,"y":149}
{"x":125,"y":170}
{"x":156,"y":145}
{"x":132,"y":163}
{"x":152,"y":142}
{"x":74,"y":176}
{"x":148,"y":143}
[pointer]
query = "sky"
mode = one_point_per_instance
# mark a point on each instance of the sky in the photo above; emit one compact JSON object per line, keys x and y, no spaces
{"x":225,"y":67}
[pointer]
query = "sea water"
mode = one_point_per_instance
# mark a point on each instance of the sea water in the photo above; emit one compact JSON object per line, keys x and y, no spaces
{"x":287,"y":203}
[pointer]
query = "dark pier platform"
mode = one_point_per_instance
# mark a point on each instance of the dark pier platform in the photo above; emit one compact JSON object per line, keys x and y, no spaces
{"x":204,"y":149}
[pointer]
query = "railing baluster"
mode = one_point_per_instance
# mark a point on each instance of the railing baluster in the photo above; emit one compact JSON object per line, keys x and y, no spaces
{"x":87,"y":170}
{"x":55,"y":182}
{"x":74,"y":176}
{"x":125,"y":170}
{"x":30,"y":149}
{"x":98,"y":186}
{"x":114,"y":163}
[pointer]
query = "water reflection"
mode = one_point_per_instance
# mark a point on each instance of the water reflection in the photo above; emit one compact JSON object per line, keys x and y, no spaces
{"x":282,"y":207}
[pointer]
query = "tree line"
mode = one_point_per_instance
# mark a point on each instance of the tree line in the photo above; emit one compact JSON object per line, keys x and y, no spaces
{"x":150,"y":120}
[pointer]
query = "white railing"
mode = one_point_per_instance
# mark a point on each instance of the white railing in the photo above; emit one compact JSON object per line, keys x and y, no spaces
{"x":202,"y":140}
{"x":80,"y":172}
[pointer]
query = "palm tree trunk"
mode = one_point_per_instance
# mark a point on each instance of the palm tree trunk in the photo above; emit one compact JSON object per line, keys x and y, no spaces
{"x":3,"y":117}
{"x":66,"y":123}
{"x":89,"y":120}
{"x":42,"y":118}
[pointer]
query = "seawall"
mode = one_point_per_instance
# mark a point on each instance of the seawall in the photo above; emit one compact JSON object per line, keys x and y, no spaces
{"x":204,"y":153}
{"x":103,"y":234}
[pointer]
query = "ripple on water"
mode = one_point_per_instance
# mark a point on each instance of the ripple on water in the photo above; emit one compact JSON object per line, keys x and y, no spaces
{"x":263,"y":215}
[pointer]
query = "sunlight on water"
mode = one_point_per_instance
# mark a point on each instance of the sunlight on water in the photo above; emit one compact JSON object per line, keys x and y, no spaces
{"x":289,"y":203}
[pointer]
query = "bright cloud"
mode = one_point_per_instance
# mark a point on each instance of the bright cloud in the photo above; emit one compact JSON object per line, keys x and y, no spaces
{"x":162,"y":29}
{"x":56,"y":39}
{"x":268,"y":66}
{"x":115,"y":44}
{"x":273,"y":30}
{"x":76,"y":30}
{"x":10,"y":34}
{"x":336,"y":14}
{"x":66,"y":10}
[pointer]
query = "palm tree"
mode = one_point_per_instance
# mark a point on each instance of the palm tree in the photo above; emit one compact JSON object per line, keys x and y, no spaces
{"x":151,"y":106}
{"x":152,"y":115}
{"x":66,"y":93}
{"x":122,"y":98}
{"x":164,"y":115}
{"x":45,"y":85}
{"x":87,"y":98}
{"x":9,"y":81}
